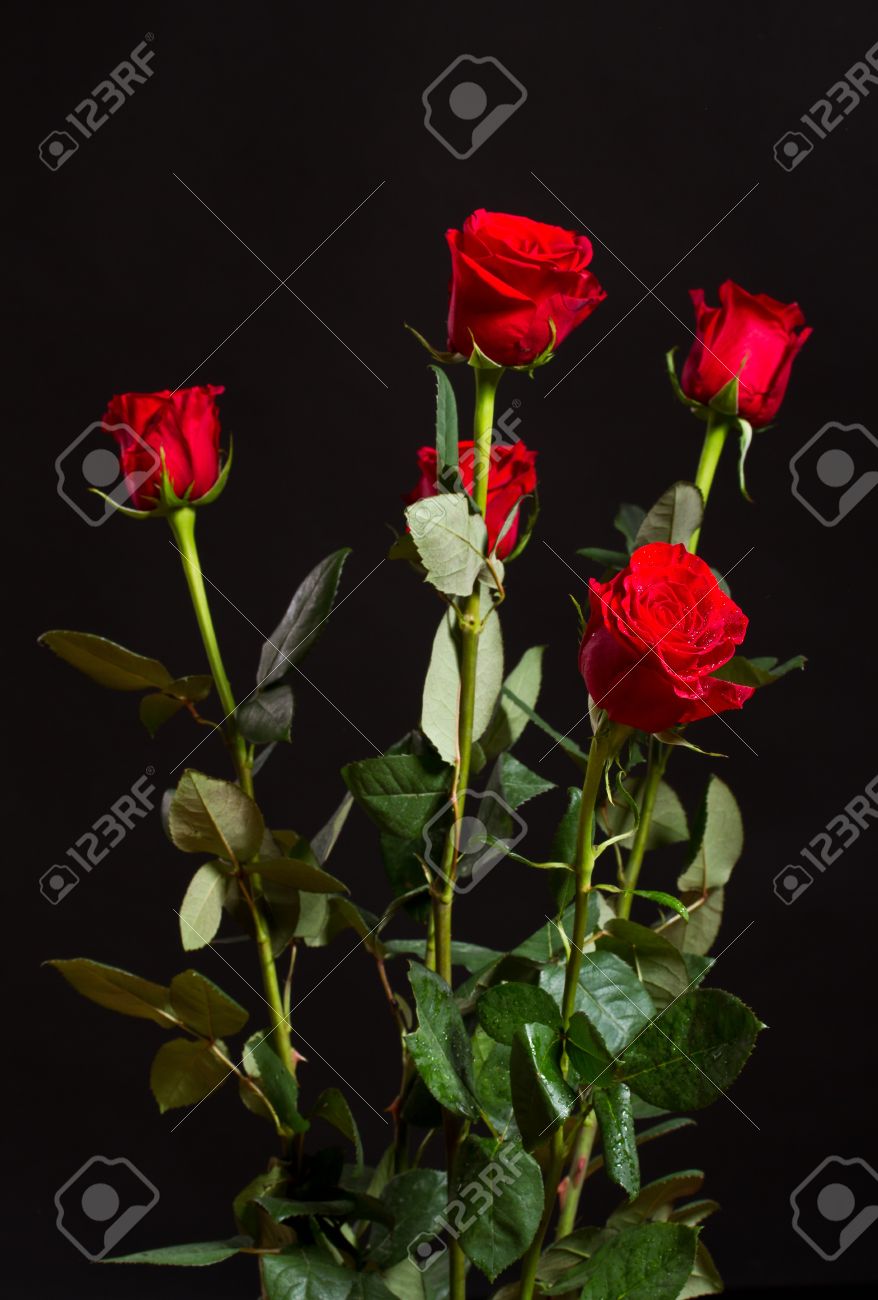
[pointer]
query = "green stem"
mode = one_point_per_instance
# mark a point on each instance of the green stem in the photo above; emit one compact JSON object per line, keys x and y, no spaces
{"x":182,"y":524}
{"x":718,"y":427}
{"x":655,"y":766}
{"x":579,"y":1158}
{"x":470,"y":629}
{"x":583,"y":865}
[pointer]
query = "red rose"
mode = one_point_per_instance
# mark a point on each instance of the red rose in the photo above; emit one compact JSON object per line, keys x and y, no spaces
{"x":512,"y":475}
{"x":750,"y":335}
{"x":656,"y":632}
{"x":509,"y":277}
{"x":184,"y":426}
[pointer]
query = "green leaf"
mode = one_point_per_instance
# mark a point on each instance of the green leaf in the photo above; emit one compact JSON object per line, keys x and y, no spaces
{"x":694,"y":1212}
{"x":246,"y":1213}
{"x":515,"y":783}
{"x":156,"y":710}
{"x":570,"y":748}
{"x":693,"y":1053}
{"x":717,"y":840}
{"x":563,"y":848}
{"x":299,"y":875}
{"x":440,"y":1046}
{"x":649,"y":1262}
{"x":204,"y":1007}
{"x":326,"y":838}
{"x":266,"y":716}
{"x":628,"y":521}
{"x":117,"y":990}
{"x":196,"y":1254}
{"x":417,"y":1200}
{"x":297,"y":631}
{"x":658,"y":964}
{"x":202,"y":908}
{"x":506,"y":1008}
{"x":344,"y":1206}
{"x":184,"y":1072}
{"x":757,"y":672}
{"x":668,"y":824}
{"x":489,"y":668}
{"x":106,"y":663}
{"x":447,"y":450}
{"x":450,"y":539}
{"x":653,"y":896}
{"x":264,"y":1065}
{"x":606,"y":559}
{"x":704,"y":1278}
{"x":332,"y":1106}
{"x":399,"y":792}
{"x":492,"y":1082}
{"x":655,"y":1197}
{"x":501,"y":1227}
{"x":674,"y":517}
{"x":509,"y":721}
{"x":613,"y":1109}
{"x":589,"y":1058}
{"x":440,"y":706}
{"x":540,"y":1095}
{"x":472,"y":956}
{"x":212,"y":816}
{"x":613,"y":999}
{"x":705,"y":917}
{"x":304,"y":1274}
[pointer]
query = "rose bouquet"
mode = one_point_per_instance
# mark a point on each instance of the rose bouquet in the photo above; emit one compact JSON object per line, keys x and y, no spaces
{"x":526,"y":1073}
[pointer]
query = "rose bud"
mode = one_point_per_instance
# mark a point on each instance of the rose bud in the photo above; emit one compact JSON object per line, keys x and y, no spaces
{"x":512,"y":476}
{"x":179,"y":431}
{"x":748,"y":335}
{"x":511,"y":277}
{"x":656,"y":632}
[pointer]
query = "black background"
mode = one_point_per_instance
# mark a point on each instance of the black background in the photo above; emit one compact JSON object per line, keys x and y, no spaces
{"x":651,"y":122}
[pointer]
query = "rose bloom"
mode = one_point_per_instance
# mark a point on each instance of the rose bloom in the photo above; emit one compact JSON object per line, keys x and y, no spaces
{"x":509,"y":277}
{"x":750,"y":335}
{"x":184,"y":425}
{"x":656,"y":633}
{"x":512,"y":475}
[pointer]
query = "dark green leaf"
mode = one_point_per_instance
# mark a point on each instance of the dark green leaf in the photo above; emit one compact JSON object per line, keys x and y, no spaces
{"x":400,"y":793}
{"x":416,"y":1200}
{"x":304,"y":1274}
{"x":212,"y":816}
{"x":440,"y":1047}
{"x":156,"y":710}
{"x":589,"y":1058}
{"x":606,"y":559}
{"x":264,"y":1065}
{"x":352,"y":1206}
{"x":705,"y":917}
{"x":649,"y":1262}
{"x":668,"y":824}
{"x":332,"y":1106}
{"x":326,"y":838}
{"x":117,"y":990}
{"x":628,"y":521}
{"x":563,"y":849}
{"x":516,"y":783}
{"x":502,"y":1226}
{"x":492,"y":1082}
{"x":757,"y":672}
{"x":613,"y":1109}
{"x":106,"y":663}
{"x":693,"y":1053}
{"x":267,"y":715}
{"x":717,"y":840}
{"x":540,"y":1095}
{"x":674,"y":517}
{"x":184,"y":1072}
{"x":570,"y":748}
{"x":505,"y":1008}
{"x":489,"y":667}
{"x":298,"y":629}
{"x":655,"y":1197}
{"x":613,"y":999}
{"x":658,"y":964}
{"x":446,"y":430}
{"x":195,"y":1254}
{"x":205,"y":1008}
{"x":299,"y":875}
{"x":472,"y":956}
